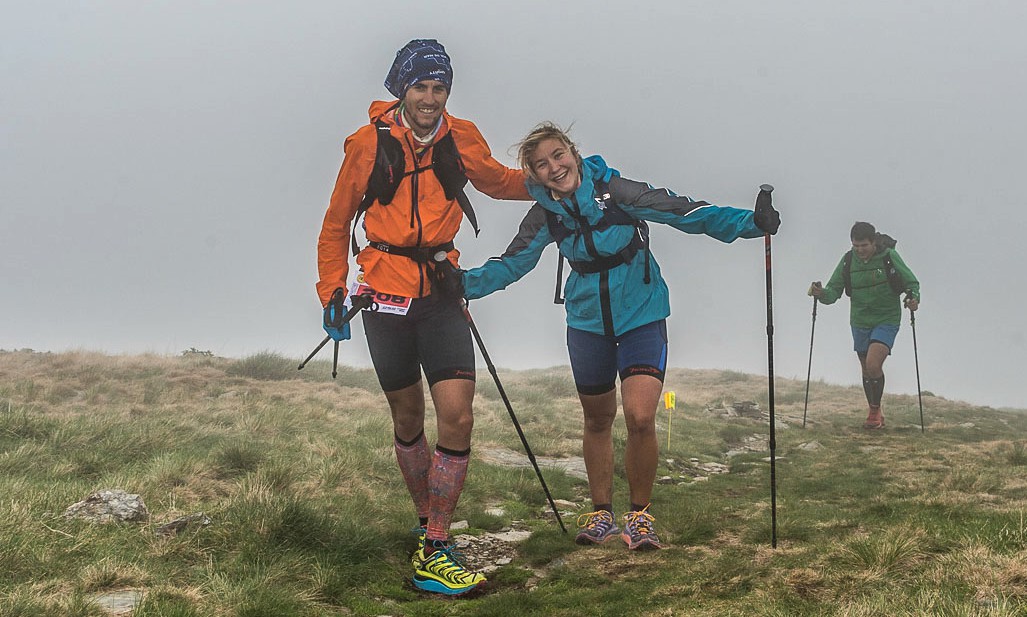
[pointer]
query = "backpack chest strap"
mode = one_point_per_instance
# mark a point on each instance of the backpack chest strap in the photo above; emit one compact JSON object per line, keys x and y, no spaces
{"x":608,"y":262}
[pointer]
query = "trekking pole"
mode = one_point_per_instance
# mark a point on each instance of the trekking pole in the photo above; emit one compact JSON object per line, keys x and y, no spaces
{"x":764,"y":196}
{"x":359,"y":302}
{"x":916,"y":360}
{"x":809,"y":367}
{"x":509,"y":409}
{"x":441,"y":261}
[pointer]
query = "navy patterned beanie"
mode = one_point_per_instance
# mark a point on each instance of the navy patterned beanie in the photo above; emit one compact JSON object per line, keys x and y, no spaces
{"x":419,"y":60}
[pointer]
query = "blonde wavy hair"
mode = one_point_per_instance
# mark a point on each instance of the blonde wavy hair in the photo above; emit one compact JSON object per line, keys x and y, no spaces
{"x":527,"y":146}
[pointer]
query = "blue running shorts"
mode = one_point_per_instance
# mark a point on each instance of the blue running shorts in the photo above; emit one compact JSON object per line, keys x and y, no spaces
{"x":884,"y":334}
{"x":597,"y":359}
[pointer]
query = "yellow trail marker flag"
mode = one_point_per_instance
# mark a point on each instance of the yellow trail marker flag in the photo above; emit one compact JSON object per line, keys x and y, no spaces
{"x":669,"y":401}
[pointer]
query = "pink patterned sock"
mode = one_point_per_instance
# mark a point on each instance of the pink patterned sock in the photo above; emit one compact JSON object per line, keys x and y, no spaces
{"x":446,"y":482}
{"x":414,"y":461}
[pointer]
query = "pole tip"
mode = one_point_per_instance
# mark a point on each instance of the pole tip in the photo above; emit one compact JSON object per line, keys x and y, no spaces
{"x":766,"y":187}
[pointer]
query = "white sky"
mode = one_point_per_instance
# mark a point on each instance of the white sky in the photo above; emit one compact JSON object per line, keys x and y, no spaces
{"x":165,"y":166}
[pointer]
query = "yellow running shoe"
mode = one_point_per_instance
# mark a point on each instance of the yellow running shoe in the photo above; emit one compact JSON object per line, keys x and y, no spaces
{"x":415,"y":557}
{"x":441,"y":572}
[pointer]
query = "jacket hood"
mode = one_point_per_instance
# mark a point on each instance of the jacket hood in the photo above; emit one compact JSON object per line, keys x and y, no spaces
{"x":378,"y":109}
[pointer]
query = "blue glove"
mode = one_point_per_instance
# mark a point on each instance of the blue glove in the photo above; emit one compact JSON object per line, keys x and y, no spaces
{"x":333,"y":314}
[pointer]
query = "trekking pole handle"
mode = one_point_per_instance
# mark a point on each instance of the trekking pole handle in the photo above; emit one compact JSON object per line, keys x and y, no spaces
{"x":358,"y":303}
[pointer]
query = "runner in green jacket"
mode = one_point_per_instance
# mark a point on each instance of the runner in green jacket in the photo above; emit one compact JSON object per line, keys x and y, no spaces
{"x":874,"y":276}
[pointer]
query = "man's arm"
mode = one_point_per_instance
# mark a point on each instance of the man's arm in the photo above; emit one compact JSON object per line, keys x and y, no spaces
{"x":486,"y":173}
{"x":835,"y":285}
{"x":912,"y":284}
{"x":350,"y":186}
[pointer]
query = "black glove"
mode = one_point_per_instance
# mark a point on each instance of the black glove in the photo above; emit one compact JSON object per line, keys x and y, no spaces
{"x":450,"y":282}
{"x":448,"y":279}
{"x":765,"y":216}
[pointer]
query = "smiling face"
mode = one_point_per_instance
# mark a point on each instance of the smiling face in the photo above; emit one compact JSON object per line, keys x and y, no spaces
{"x":423,"y":104}
{"x":555,"y":165}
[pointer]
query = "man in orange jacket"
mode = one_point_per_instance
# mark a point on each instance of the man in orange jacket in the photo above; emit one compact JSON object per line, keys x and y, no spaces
{"x":405,"y":172}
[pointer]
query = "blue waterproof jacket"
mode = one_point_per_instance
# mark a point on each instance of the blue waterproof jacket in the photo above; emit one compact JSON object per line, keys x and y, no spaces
{"x":617,"y":300}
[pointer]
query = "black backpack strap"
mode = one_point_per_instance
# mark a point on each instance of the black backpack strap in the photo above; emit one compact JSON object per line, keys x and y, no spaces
{"x":449,"y":169}
{"x":558,"y":297}
{"x":895,"y":280}
{"x":557,"y":229}
{"x":388,"y":171}
{"x":365,"y":203}
{"x":465,"y":205}
{"x":613,"y":214}
{"x":559,"y":232}
{"x":602,"y":264}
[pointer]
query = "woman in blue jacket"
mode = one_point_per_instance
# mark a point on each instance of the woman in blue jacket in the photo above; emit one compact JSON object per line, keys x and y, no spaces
{"x":616,"y":301}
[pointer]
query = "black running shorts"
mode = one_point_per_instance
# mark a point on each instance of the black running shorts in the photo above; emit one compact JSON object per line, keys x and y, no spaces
{"x":432,"y":336}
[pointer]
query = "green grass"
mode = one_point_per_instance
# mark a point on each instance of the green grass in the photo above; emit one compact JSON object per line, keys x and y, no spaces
{"x":310,"y":516}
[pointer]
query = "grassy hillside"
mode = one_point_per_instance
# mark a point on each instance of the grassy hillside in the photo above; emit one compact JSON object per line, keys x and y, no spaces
{"x":309,"y":516}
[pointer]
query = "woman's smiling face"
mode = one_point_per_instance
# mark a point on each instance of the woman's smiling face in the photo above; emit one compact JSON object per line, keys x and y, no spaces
{"x":556,"y":167}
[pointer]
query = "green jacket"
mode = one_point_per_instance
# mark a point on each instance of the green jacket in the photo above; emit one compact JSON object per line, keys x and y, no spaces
{"x":873,"y":302}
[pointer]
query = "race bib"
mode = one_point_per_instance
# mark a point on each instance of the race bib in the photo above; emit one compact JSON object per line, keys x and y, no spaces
{"x":382,"y":302}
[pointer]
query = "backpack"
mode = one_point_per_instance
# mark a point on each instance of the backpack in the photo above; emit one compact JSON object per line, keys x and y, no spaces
{"x":612,"y":215}
{"x":390,"y":169}
{"x":884,"y":242}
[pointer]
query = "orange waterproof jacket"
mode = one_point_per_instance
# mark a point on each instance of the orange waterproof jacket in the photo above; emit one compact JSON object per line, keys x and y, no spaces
{"x":435,"y":221}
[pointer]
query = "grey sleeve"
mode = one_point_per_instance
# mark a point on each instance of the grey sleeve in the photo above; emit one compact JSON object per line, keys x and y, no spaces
{"x":639,"y":195}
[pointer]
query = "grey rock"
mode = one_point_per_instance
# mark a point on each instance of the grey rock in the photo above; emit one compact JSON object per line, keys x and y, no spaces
{"x":573,"y":466}
{"x":109,"y":506}
{"x":174,"y":527}
{"x":119,"y":602}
